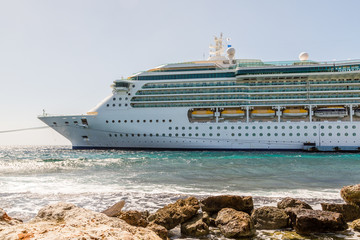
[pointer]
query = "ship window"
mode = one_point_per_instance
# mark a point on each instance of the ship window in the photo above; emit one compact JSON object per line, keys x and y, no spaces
{"x":290,"y":134}
{"x":163,"y":134}
{"x":115,"y":135}
{"x":283,"y":127}
{"x":218,"y":127}
{"x":110,"y":135}
{"x":305,"y":134}
{"x":107,"y":105}
{"x":176,"y":128}
{"x":126,"y":104}
{"x":239,"y":127}
{"x":330,"y":134}
{"x":157,"y":134}
{"x":120,"y":99}
{"x":196,"y":134}
{"x":114,"y":99}
{"x":290,"y":127}
{"x":183,"y":128}
{"x":338,"y":134}
{"x":314,"y":127}
{"x":127,"y":135}
{"x":276,"y":127}
{"x":105,"y":121}
{"x":346,"y":134}
{"x":225,"y":127}
{"x":125,"y":121}
{"x":268,"y":127}
{"x":283,"y":134}
{"x":119,"y":121}
{"x":246,"y":127}
{"x":218,"y":134}
{"x":210,"y":134}
{"x":260,"y":134}
{"x":132,"y":135}
{"x":315,"y":134}
{"x":131,"y":120}
{"x":144,"y":120}
{"x":338,"y":127}
{"x":137,"y":120}
{"x":170,"y":134}
{"x":191,"y":134}
{"x":353,"y":126}
{"x":269,"y":134}
{"x":253,"y":127}
{"x":261,"y":127}
{"x":354,"y":134}
{"x":190,"y":128}
{"x":114,"y":105}
{"x":126,"y":98}
{"x":239,"y":134}
{"x":170,"y":120}
{"x":254,"y":134}
{"x":170,"y":128}
{"x":322,"y":127}
{"x":346,"y":126}
{"x":305,"y":127}
{"x":113,"y":121}
{"x":121,"y":135}
{"x":183,"y":134}
{"x":66,"y":123}
{"x":196,"y":128}
{"x":246,"y":134}
{"x":232,"y":134}
{"x":163,"y":120}
{"x":298,"y":127}
{"x":330,"y":127}
{"x":322,"y":134}
{"x":85,"y":137}
{"x":232,"y":127}
{"x":157,"y":120}
{"x":119,"y":104}
{"x":75,"y":122}
{"x":203,"y":134}
{"x":298,"y":134}
{"x":150,"y":120}
{"x":275,"y":134}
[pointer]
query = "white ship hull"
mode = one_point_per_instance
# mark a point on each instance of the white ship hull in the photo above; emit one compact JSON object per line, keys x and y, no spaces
{"x":227,"y":135}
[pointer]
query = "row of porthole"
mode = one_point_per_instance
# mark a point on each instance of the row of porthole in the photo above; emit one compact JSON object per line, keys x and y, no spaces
{"x":261,"y":127}
{"x":114,"y":99}
{"x":138,"y":121}
{"x":218,"y":134}
{"x":114,"y":105}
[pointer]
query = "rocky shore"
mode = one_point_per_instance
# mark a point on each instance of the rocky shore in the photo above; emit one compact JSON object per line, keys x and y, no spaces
{"x":214,"y":217}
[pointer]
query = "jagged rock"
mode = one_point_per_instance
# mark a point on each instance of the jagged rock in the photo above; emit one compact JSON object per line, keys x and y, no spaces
{"x":306,"y":221}
{"x":135,"y":218}
{"x":292,"y":203}
{"x":195,"y":227}
{"x":209,"y":219}
{"x":66,"y":221}
{"x":350,"y":212}
{"x":173,"y":214}
{"x":356,"y":225}
{"x":214,"y":204}
{"x":270,"y":218}
{"x":351,"y":194}
{"x":6,"y":220}
{"x":114,"y":210}
{"x":161,"y":231}
{"x":235,"y":224}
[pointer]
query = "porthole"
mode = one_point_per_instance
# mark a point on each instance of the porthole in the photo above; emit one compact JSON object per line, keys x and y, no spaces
{"x":314,"y":127}
{"x":269,"y":134}
{"x":126,"y":98}
{"x":254,"y":134}
{"x":260,"y":134}
{"x":107,"y":105}
{"x":163,"y":120}
{"x":338,"y":127}
{"x":119,"y":121}
{"x":322,"y":127}
{"x":276,"y":127}
{"x":346,"y":134}
{"x":107,"y":121}
{"x":183,"y":134}
{"x":210,"y":127}
{"x":218,"y":127}
{"x":253,"y":127}
{"x":298,"y":127}
{"x":196,"y":134}
{"x":298,"y":134}
{"x":157,"y":134}
{"x":170,"y":128}
{"x":139,"y":135}
{"x":218,"y":134}
{"x":176,"y":135}
{"x":261,"y":127}
{"x":150,"y":120}
{"x":354,"y":134}
{"x":170,"y":134}
{"x":290,"y":134}
{"x":305,"y":127}
{"x":183,"y":128}
{"x":233,"y":134}
{"x":125,"y":121}
{"x":315,"y":134}
{"x":110,"y":135}
{"x":246,"y":134}
{"x":305,"y":134}
{"x":190,"y":128}
{"x":353,"y":126}
{"x":330,"y":127}
{"x":196,"y":128}
{"x":190,"y":134}
{"x":157,"y":120}
{"x":114,"y":99}
{"x":138,"y":121}
{"x":119,"y":104}
{"x":163,"y":134}
{"x":283,"y":127}
{"x":144,"y":120}
{"x":283,"y":134}
{"x":268,"y":127}
{"x":126,"y":104}
{"x":114,"y":105}
{"x":275,"y":134}
{"x":322,"y":134}
{"x":338,"y":134}
{"x":210,"y":134}
{"x":131,"y":120}
{"x":176,"y":128}
{"x":170,"y":120}
{"x":239,"y":127}
{"x":225,"y":127}
{"x":113,"y":121}
{"x":120,"y":99}
{"x":247,"y":127}
{"x":290,"y":127}
{"x":232,"y":127}
{"x":346,"y":126}
{"x":239,"y":134}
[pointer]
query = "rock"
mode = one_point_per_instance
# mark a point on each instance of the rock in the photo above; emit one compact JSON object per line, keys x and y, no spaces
{"x":195,"y":227}
{"x":209,"y":219}
{"x":173,"y":214}
{"x":356,"y":225}
{"x":135,"y":218}
{"x":292,"y":203}
{"x":161,"y":231}
{"x":306,"y":221}
{"x":66,"y":221}
{"x":5,"y":220}
{"x":235,"y":224}
{"x":214,"y":204}
{"x":270,"y":218}
{"x":351,"y":194}
{"x":115,"y":209}
{"x":350,"y":212}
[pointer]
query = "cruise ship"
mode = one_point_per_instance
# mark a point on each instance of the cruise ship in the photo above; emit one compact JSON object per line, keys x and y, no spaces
{"x":224,"y":103}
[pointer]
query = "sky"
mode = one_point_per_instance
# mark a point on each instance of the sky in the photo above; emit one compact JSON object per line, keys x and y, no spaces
{"x":62,"y":56}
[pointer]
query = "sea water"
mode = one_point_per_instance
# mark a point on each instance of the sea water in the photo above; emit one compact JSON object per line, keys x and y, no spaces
{"x":32,"y":177}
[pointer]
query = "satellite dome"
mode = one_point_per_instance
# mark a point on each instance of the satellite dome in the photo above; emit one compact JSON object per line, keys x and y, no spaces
{"x":230,"y":52}
{"x":304,"y":56}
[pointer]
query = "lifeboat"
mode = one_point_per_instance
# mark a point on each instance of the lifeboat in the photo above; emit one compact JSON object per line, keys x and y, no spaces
{"x":202,"y":114}
{"x":295,"y":113}
{"x":262,"y":113}
{"x":331,"y":112}
{"x":232,"y":113}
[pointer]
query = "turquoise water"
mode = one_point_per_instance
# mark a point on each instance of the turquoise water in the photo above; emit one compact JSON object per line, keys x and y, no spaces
{"x":31,"y":177}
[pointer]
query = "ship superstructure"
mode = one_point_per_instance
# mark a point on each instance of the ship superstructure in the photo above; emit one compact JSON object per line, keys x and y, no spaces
{"x":226,"y":103}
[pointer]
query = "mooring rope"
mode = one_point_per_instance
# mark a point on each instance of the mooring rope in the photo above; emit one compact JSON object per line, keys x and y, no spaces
{"x":23,"y":129}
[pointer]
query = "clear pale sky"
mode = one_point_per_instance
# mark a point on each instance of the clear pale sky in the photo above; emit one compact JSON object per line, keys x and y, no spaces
{"x":62,"y":56}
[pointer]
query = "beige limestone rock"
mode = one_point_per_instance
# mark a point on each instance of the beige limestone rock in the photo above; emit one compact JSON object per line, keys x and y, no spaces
{"x":135,"y":218}
{"x":292,"y":203}
{"x":173,"y":214}
{"x":356,"y":225}
{"x":63,"y":221}
{"x":350,"y":212}
{"x":195,"y":226}
{"x":270,"y":218}
{"x":235,"y":224}
{"x":351,"y":194}
{"x":161,"y":231}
